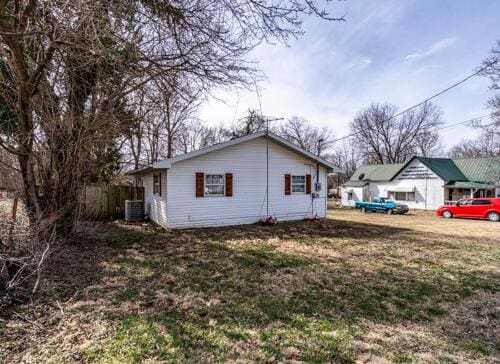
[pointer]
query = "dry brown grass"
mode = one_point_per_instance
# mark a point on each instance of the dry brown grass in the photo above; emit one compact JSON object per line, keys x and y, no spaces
{"x":423,"y":221}
{"x":354,"y":287}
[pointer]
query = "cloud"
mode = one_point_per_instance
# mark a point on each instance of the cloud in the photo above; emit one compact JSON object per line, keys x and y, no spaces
{"x":386,"y":52}
{"x":435,"y":48}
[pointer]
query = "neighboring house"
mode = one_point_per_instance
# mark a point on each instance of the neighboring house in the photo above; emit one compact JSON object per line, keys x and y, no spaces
{"x":236,"y":182}
{"x":425,"y":183}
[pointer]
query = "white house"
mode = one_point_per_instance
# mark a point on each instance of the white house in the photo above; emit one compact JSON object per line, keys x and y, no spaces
{"x":236,"y":182}
{"x":425,"y":183}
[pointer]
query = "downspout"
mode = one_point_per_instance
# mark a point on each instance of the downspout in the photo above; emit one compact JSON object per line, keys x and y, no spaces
{"x":267,"y":169}
{"x":426,"y":182}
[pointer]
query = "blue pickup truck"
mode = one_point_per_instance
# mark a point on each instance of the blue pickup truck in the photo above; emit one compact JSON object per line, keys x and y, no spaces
{"x":382,"y":204}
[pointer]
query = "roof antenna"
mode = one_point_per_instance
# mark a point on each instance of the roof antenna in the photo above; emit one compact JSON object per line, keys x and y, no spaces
{"x":267,"y":146}
{"x":266,"y":121}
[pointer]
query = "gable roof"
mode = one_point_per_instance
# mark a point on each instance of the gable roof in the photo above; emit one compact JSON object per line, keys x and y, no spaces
{"x":167,"y":163}
{"x":376,"y":172}
{"x":477,"y":170}
{"x":445,"y":168}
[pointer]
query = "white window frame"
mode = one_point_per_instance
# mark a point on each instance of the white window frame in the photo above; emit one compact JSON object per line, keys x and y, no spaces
{"x":350,"y":196}
{"x":156,"y":184}
{"x":205,"y":185}
{"x":394,"y":193}
{"x":304,"y":184}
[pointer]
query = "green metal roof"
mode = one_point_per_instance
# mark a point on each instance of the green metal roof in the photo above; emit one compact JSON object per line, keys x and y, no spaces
{"x":355,"y":184}
{"x":467,"y":170}
{"x":363,"y":170}
{"x":481,"y":169}
{"x":376,"y":172}
{"x":443,"y":167}
{"x":462,"y":184}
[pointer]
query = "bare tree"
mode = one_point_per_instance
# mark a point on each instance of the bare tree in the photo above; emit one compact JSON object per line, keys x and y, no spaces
{"x":488,"y":141}
{"x":300,"y":132}
{"x":383,"y":138}
{"x":347,"y":157}
{"x":68,"y":67}
{"x":251,"y":123}
{"x":9,"y":172}
{"x":197,"y":135}
{"x":486,"y":144}
{"x":177,"y":104}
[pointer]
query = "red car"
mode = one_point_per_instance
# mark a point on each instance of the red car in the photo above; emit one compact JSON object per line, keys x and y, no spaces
{"x":479,"y":208}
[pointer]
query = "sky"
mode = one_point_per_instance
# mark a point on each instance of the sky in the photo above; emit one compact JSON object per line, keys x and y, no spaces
{"x":393,"y":51}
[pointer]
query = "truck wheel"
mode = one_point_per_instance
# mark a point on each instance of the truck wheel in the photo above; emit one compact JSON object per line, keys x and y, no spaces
{"x":363,"y":209}
{"x":447,"y":214}
{"x":494,"y":216}
{"x":390,"y":212}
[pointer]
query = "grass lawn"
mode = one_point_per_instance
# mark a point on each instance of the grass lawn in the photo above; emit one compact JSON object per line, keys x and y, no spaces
{"x":369,"y":288}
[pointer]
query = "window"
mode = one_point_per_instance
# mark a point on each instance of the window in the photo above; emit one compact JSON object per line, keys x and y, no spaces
{"x":349,"y":196}
{"x":214,"y":185}
{"x":404,"y":196}
{"x":157,"y":184}
{"x":298,"y":184}
{"x":464,"y":202}
{"x":481,"y":202}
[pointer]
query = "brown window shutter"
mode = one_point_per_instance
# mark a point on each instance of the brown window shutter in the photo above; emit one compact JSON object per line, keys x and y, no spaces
{"x":288,"y":184}
{"x":308,"y":184}
{"x":229,"y":184}
{"x":159,"y":187}
{"x":199,"y":184}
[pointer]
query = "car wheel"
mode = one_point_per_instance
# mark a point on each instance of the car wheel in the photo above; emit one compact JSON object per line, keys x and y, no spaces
{"x":390,"y":212}
{"x":447,"y":214}
{"x":494,"y":216}
{"x":363,"y":209}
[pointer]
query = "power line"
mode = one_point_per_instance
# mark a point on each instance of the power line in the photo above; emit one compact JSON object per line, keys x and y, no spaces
{"x":453,"y":125}
{"x":424,"y":101}
{"x":448,"y":126}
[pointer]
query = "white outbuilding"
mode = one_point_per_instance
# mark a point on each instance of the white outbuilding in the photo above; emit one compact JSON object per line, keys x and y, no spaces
{"x":425,"y":183}
{"x":236,"y":182}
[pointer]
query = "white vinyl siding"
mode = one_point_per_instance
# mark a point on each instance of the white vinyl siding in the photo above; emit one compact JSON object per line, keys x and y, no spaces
{"x":247,"y":163}
{"x":428,"y":192}
{"x":350,"y":195}
{"x":155,"y":206}
{"x":156,"y":184}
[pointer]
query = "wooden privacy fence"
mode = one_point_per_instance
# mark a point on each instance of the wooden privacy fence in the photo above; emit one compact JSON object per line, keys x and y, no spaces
{"x":108,"y":201}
